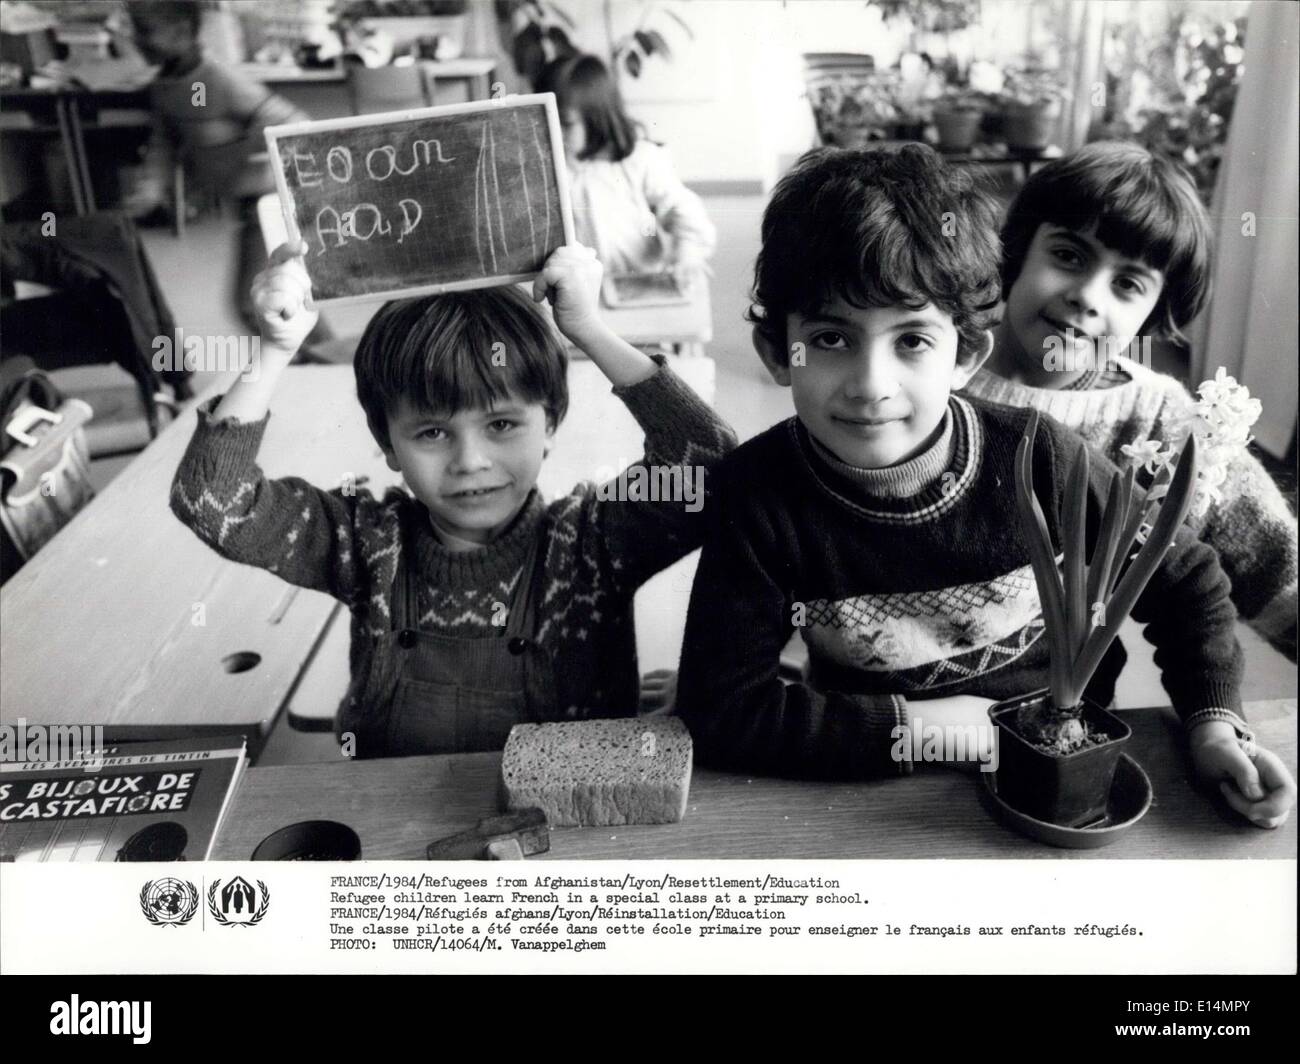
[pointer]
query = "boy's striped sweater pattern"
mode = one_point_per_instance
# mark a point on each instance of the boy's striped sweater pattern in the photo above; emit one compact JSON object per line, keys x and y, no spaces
{"x":904,"y":595}
{"x":1252,"y":527}
{"x":598,"y":551}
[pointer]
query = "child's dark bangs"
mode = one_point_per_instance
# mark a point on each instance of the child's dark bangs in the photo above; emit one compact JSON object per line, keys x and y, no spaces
{"x":477,"y":361}
{"x":1134,"y":216}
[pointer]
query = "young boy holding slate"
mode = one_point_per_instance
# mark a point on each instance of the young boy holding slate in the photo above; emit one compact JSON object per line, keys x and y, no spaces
{"x":475,"y":605}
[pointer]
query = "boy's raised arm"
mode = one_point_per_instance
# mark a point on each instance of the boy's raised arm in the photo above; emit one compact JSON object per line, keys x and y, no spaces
{"x":289,"y":527}
{"x":636,"y":536}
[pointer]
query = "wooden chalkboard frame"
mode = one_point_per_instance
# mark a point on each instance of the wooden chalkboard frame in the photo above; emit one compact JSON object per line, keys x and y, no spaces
{"x":547,"y":99}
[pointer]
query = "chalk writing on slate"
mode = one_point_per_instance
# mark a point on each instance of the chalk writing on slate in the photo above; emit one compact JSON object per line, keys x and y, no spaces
{"x":437,"y":199}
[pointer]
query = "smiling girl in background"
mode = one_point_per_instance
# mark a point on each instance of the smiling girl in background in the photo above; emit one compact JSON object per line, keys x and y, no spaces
{"x":628,"y":202}
{"x":1107,"y":246}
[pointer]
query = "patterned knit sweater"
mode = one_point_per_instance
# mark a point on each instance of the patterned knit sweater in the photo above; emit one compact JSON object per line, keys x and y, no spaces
{"x":599,"y":550}
{"x":908,"y":582}
{"x":1252,"y":527}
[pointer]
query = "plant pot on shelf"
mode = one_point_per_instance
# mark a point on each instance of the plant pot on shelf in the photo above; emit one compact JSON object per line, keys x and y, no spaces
{"x":1067,"y":789}
{"x":1029,"y":127}
{"x":957,"y":128}
{"x":409,"y":30}
{"x":909,"y":131}
{"x":853,"y":134}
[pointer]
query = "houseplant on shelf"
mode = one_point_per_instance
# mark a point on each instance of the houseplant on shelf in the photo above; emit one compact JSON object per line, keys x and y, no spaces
{"x":852,"y":110}
{"x":1057,"y":751}
{"x":1031,"y":101}
{"x":957,"y":117}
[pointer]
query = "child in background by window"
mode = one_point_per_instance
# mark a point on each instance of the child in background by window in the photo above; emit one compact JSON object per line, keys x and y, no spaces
{"x":626,"y":196}
{"x":1101,"y":248}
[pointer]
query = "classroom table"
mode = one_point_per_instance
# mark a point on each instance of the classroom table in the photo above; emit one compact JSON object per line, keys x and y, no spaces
{"x":476,"y":71}
{"x":397,"y":806}
{"x":65,"y":106}
{"x":121,"y":87}
{"x":685,"y":326}
{"x":125,"y":619}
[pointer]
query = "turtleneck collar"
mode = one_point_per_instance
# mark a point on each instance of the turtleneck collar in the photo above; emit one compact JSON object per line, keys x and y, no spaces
{"x":901,"y":481}
{"x":495,"y":561}
{"x":915,"y":490}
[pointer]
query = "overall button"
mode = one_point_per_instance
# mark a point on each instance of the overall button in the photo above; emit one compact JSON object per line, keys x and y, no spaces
{"x":406,"y":639}
{"x":517,"y":645}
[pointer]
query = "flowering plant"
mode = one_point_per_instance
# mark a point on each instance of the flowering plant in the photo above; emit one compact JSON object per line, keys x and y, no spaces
{"x":1220,"y":419}
{"x":1086,"y":598}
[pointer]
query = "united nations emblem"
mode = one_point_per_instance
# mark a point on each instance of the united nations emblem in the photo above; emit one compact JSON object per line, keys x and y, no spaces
{"x":169,"y":902}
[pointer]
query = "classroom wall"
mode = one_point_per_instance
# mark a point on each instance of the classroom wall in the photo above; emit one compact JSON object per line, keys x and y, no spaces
{"x":731,"y":105}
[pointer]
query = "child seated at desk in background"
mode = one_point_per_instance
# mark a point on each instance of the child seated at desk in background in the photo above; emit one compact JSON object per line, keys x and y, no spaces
{"x":213,"y":117}
{"x":475,"y":605}
{"x":1105,"y":246}
{"x":624,"y":189}
{"x":881,"y":519}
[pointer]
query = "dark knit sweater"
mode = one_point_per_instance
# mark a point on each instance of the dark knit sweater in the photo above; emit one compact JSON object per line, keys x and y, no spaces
{"x":598,"y":551}
{"x":906,"y":583}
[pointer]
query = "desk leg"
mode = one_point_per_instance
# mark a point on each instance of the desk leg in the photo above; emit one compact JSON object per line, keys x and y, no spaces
{"x":83,"y":163}
{"x":69,"y":154}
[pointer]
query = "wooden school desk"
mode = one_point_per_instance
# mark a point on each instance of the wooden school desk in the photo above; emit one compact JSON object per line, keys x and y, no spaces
{"x":686,"y":326}
{"x":397,"y":806}
{"x":126,"y":620}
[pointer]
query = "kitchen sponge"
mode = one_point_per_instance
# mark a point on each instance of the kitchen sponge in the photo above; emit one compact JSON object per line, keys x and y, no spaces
{"x":631,"y":770}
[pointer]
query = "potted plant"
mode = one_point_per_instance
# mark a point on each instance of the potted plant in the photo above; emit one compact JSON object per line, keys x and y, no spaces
{"x":633,"y":50}
{"x":1031,"y":105}
{"x":1058,"y":751}
{"x":912,"y":121}
{"x":957,"y":118}
{"x":537,"y":32}
{"x":410,"y":22}
{"x":852,"y":110}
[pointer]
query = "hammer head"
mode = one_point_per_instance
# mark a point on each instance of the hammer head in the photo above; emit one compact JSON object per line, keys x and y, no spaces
{"x":491,"y":838}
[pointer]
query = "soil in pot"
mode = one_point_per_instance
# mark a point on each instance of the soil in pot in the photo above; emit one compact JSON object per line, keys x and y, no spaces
{"x":1058,"y":774}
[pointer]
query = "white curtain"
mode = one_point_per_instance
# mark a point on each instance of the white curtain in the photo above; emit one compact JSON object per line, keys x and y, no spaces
{"x":1251,"y":324}
{"x":1085,"y":23}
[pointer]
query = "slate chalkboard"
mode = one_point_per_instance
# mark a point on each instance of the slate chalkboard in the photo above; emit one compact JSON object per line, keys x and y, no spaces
{"x":429,"y":200}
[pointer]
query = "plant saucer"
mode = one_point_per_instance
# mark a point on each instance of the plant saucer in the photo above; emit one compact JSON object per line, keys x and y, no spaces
{"x":1129,"y":799}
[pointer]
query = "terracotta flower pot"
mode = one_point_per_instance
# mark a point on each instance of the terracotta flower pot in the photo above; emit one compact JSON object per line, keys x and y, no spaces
{"x":1069,"y":789}
{"x":957,"y":129}
{"x":1029,"y":127}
